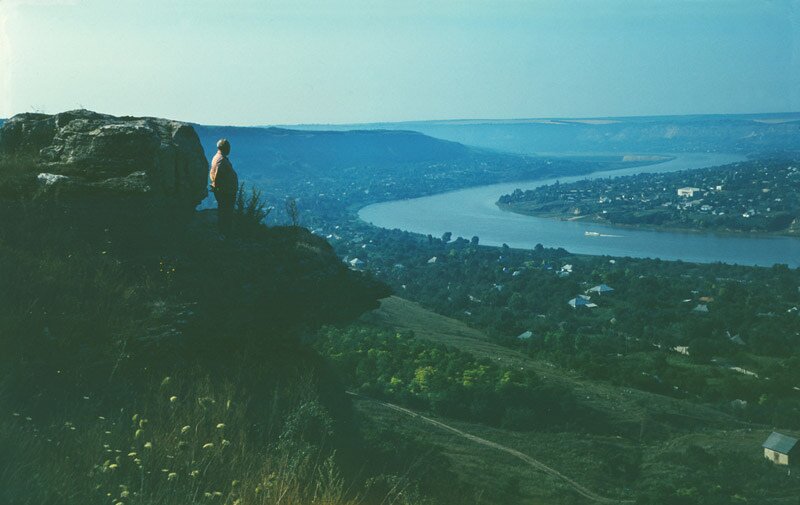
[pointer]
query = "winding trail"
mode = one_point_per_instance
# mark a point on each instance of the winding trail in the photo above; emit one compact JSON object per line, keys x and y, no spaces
{"x":578,"y":488}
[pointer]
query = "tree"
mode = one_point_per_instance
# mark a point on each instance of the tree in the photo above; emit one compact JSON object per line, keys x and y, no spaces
{"x":292,"y":211}
{"x":474,"y":240}
{"x":446,"y":236}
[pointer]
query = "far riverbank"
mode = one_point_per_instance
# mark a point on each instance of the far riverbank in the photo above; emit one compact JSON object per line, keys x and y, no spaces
{"x":473,"y":212}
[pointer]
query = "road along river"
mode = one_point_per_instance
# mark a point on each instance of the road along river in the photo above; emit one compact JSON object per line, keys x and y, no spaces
{"x":472,"y":211}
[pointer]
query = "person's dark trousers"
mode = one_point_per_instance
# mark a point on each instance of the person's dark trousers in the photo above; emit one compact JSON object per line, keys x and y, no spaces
{"x":225,"y":202}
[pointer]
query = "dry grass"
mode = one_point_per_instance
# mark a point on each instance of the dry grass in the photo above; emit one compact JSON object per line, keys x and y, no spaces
{"x":185,"y":442}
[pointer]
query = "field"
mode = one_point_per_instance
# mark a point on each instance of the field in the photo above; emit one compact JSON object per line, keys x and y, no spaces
{"x":652,"y":435}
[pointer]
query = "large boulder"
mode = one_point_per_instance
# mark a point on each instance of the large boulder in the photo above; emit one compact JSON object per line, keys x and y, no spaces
{"x":84,"y":150}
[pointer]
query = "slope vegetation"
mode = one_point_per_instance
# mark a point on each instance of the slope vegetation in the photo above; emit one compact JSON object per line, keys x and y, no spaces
{"x":656,"y":448}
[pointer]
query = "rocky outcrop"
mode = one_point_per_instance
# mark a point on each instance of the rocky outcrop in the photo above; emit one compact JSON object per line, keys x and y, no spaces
{"x":156,"y":158}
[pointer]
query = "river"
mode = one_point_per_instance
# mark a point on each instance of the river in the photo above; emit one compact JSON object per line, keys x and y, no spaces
{"x":472,"y":211}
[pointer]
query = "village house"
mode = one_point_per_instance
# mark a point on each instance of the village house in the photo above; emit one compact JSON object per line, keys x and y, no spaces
{"x":600,"y":289}
{"x":781,"y":449}
{"x":681,"y":349}
{"x":526,"y":335}
{"x":688,"y":191}
{"x":581,"y":301}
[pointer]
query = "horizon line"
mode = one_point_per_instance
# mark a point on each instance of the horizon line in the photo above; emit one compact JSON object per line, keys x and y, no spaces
{"x":451,"y":120}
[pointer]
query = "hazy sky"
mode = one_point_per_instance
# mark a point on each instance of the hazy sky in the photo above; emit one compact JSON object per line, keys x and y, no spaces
{"x":302,"y":61}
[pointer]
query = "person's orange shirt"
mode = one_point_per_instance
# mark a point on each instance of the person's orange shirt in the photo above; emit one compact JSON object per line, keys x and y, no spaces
{"x":227,"y":181}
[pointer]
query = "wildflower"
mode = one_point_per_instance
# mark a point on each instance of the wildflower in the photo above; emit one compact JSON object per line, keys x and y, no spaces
{"x":85,"y":397}
{"x":142,"y":422}
{"x":132,"y":454}
{"x":225,"y":443}
{"x":234,"y":483}
{"x":138,"y":461}
{"x":124,"y":494}
{"x":166,"y":381}
{"x":172,"y":476}
{"x":186,"y":428}
{"x":209,"y":445}
{"x":148,"y":445}
{"x":16,"y":414}
{"x":207,"y":494}
{"x":119,"y":503}
{"x":108,"y":432}
{"x":113,"y":466}
{"x":165,"y":470}
{"x":217,"y":493}
{"x":220,"y":426}
{"x":101,"y":418}
{"x":173,"y":399}
{"x":194,"y":473}
{"x":228,"y":404}
{"x":135,"y":418}
{"x":138,"y":433}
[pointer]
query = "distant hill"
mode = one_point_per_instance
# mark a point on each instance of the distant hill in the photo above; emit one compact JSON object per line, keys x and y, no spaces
{"x":281,"y":153}
{"x":750,"y":133}
{"x":328,"y":169}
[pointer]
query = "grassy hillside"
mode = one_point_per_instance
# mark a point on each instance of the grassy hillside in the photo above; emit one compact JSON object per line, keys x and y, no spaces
{"x":145,"y":360}
{"x":655,"y":448}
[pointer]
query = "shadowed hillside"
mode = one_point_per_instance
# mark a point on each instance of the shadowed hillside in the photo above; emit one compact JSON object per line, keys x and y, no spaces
{"x":312,"y":154}
{"x":146,"y":360}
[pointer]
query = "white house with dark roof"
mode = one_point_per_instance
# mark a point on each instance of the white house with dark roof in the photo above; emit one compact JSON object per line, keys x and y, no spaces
{"x":781,"y":449}
{"x":600,"y":289}
{"x":577,"y":302}
{"x":581,"y":301}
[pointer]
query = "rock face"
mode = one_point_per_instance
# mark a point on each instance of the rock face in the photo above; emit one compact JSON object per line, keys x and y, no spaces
{"x":81,"y":149}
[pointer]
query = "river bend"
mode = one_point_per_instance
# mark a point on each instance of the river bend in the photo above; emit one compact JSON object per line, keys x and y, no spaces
{"x":473,"y":211}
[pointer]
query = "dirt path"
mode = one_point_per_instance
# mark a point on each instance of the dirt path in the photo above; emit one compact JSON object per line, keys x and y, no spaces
{"x":581,"y":490}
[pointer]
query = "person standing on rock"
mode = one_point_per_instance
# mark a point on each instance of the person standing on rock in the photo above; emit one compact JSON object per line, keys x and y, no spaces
{"x":224,"y":184}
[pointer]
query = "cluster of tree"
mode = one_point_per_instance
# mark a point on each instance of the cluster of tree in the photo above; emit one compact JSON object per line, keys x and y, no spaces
{"x":727,"y":316}
{"x":449,"y":382}
{"x":701,"y":475}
